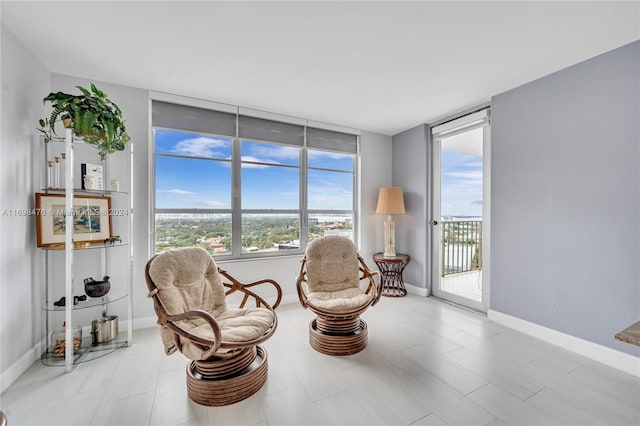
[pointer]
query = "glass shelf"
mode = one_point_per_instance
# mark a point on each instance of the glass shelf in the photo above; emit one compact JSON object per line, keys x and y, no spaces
{"x":76,"y":140}
{"x":83,"y":191}
{"x":92,"y":246}
{"x":88,"y":351}
{"x":114,"y":295}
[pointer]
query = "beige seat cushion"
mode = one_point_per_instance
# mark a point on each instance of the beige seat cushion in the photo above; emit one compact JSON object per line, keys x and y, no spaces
{"x":241,"y":325}
{"x":339,"y":301}
{"x":236,"y":326}
{"x":187,"y":279}
{"x":332,"y":265}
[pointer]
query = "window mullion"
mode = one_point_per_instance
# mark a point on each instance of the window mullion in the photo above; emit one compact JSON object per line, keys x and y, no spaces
{"x":236,"y":204}
{"x":304,"y":216}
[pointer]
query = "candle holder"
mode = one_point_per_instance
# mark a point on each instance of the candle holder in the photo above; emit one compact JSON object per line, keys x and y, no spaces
{"x":50,"y":174}
{"x":56,"y":172}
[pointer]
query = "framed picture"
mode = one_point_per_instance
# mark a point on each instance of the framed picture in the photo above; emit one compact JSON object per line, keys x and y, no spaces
{"x":91,"y":219}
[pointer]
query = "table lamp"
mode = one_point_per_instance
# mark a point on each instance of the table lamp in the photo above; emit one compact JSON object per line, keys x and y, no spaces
{"x":390,"y":202}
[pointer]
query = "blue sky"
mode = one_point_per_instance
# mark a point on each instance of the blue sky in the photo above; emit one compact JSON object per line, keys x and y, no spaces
{"x":196,"y":183}
{"x":461,"y":184}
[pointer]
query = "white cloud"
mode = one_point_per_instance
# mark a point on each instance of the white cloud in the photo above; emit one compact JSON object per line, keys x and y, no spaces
{"x":324,"y":154}
{"x":470,"y":175}
{"x":179,"y":192}
{"x":329,"y":196}
{"x":214,"y":204}
{"x":274,"y":153}
{"x":202,"y":147}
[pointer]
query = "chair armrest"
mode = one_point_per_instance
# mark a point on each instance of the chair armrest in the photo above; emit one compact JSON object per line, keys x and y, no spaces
{"x":374,"y":285}
{"x":302,"y":295}
{"x":300,"y":279}
{"x":378,"y":286}
{"x":210,"y":346}
{"x":236,"y":285}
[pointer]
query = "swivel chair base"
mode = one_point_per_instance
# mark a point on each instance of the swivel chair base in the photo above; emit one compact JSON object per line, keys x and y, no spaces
{"x":338,"y":337}
{"x":225,"y":381}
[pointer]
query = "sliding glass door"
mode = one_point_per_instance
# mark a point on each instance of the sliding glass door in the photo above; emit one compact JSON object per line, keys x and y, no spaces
{"x":460,"y":210}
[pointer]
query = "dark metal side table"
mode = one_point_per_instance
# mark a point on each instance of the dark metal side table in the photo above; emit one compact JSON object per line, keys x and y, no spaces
{"x":391,"y":273}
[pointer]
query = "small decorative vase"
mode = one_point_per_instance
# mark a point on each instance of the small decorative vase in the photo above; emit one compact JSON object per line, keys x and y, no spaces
{"x":95,"y":288}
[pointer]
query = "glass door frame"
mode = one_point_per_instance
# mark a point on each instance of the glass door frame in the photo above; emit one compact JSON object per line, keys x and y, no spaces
{"x":436,"y":225}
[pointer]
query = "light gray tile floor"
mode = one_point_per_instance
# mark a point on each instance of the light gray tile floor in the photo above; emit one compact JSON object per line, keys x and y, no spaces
{"x":427,"y":363}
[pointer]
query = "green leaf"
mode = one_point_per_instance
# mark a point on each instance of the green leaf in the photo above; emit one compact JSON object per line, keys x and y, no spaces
{"x":84,"y":91}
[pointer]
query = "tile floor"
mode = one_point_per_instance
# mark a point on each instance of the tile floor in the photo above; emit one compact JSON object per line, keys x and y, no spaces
{"x":427,"y":363}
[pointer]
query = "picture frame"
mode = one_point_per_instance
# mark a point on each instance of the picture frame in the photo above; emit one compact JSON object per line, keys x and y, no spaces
{"x":92,"y":219}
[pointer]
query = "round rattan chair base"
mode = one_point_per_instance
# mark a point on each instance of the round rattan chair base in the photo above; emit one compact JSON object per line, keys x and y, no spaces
{"x":335,"y":343}
{"x":218,"y":389}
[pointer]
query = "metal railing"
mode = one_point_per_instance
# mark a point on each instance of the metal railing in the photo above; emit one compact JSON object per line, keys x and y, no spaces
{"x":461,"y":246}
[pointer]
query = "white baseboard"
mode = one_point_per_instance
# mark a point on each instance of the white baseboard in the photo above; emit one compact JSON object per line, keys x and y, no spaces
{"x":11,"y":374}
{"x":418,"y":291}
{"x":611,"y":357}
{"x":290,"y":298}
{"x":145,"y":322}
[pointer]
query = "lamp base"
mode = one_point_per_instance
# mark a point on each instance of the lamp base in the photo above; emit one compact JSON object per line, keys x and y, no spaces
{"x":389,"y":238}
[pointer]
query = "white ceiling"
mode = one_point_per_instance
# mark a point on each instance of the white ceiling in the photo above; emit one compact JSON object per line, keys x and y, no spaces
{"x":377,"y":66}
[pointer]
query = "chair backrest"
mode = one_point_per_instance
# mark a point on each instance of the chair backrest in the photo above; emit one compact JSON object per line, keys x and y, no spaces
{"x":187,"y":279}
{"x":332,"y":264}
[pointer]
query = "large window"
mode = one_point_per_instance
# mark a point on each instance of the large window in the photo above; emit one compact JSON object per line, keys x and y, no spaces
{"x":330,"y":183}
{"x":243,"y":186}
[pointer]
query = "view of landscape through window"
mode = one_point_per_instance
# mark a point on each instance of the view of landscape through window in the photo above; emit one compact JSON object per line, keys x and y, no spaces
{"x":194,"y":187}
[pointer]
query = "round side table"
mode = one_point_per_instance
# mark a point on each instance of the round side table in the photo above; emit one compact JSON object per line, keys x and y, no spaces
{"x":391,"y":273}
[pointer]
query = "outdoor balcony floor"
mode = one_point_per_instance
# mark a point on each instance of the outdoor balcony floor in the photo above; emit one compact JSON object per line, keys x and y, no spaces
{"x":464,"y":284}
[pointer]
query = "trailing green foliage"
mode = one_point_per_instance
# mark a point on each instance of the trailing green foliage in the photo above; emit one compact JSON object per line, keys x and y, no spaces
{"x":93,"y":116}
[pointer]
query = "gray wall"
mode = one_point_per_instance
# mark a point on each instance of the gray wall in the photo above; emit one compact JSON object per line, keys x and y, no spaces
{"x":375,"y":170}
{"x":25,"y":81}
{"x":410,"y":168}
{"x":565,"y":199}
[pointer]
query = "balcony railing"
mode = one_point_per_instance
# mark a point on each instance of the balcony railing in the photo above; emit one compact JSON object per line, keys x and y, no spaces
{"x":461,"y":246}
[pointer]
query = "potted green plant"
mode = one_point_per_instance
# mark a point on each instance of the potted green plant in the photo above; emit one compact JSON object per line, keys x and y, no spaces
{"x":91,"y":115}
